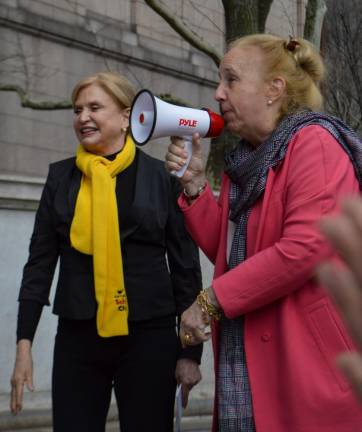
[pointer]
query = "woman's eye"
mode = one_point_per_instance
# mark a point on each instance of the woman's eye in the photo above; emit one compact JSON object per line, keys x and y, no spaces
{"x":77,"y":110}
{"x":95,"y":107}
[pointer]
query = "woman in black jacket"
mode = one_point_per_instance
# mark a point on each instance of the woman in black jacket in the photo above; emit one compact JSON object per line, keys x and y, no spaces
{"x":128,"y":268}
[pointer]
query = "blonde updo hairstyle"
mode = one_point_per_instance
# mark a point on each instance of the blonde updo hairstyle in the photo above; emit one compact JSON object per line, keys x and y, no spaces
{"x":297,"y":61}
{"x":115,"y":84}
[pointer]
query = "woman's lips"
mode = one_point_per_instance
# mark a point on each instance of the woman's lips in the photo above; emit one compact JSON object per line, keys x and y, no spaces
{"x":87,"y":131}
{"x":226,"y":113}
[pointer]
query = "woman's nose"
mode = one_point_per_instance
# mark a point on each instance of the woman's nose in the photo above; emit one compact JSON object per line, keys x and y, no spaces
{"x":83,"y":115}
{"x":219,"y":93}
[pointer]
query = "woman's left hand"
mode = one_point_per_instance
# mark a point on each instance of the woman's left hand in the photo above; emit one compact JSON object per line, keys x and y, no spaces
{"x":193,"y":326}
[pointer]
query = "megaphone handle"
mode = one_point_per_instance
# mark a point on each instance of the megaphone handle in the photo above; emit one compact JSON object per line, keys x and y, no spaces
{"x":188,"y":147}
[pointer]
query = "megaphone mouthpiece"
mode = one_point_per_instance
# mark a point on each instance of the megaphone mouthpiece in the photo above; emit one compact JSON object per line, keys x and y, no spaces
{"x":216,"y":124}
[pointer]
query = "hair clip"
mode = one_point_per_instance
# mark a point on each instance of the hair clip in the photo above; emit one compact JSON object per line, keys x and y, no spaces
{"x":291,"y":45}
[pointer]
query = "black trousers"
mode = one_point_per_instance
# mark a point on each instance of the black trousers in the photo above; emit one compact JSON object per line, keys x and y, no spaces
{"x":139,"y":367}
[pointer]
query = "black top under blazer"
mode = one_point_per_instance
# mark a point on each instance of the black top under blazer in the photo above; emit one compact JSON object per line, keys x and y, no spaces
{"x":161,"y":262}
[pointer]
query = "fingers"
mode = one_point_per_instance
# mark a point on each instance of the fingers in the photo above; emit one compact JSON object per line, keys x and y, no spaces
{"x":193,"y":326}
{"x":346,"y":292}
{"x":345,"y":234}
{"x":189,"y":338}
{"x":184,"y":395}
{"x":23,"y":374}
{"x":186,"y":338}
{"x":178,"y":145}
{"x":193,"y":336}
{"x":29,"y":383}
{"x":16,"y":397}
{"x":196,"y":145}
{"x":180,"y":154}
{"x":176,"y":155}
{"x":345,"y":283}
{"x":188,"y":375}
{"x":351,"y":366}
{"x":352,"y":207}
{"x":17,"y":392}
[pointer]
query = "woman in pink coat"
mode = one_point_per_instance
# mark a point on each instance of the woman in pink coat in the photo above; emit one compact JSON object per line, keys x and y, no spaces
{"x":275,"y":331}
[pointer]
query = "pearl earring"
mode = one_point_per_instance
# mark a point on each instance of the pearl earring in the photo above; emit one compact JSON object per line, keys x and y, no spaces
{"x":269,"y":102}
{"x":124,"y":129}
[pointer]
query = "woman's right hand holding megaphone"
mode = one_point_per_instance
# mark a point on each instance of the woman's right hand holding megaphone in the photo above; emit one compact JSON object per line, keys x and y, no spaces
{"x":194,"y":177}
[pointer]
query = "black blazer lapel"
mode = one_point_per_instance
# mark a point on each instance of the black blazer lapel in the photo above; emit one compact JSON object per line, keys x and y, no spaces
{"x":141,"y":195}
{"x":74,"y":187}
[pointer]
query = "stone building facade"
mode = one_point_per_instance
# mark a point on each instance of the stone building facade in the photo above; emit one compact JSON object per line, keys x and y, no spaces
{"x":46,"y":47}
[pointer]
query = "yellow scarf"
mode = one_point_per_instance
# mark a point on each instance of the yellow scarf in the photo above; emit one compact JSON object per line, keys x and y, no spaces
{"x":95,"y":231}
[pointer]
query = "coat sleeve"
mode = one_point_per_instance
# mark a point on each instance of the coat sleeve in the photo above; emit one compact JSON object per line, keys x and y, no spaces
{"x":208,"y":210}
{"x":184,"y":264}
{"x":43,"y":251}
{"x":318,"y":174}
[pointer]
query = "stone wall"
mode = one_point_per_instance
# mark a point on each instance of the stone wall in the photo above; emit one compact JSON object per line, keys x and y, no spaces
{"x":48,"y":46}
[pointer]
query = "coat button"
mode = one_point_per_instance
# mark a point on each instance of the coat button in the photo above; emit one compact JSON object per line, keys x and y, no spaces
{"x":266,"y":337}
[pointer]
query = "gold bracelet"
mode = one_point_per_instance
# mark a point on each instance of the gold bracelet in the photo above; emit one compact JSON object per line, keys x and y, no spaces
{"x":206,"y":306}
{"x":197,"y":194}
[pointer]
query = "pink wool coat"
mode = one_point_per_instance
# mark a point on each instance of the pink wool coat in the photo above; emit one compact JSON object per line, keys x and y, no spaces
{"x":292,"y":331}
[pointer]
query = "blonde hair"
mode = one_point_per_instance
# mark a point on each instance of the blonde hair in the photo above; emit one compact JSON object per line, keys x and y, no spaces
{"x":115,"y":84}
{"x":297,"y":61}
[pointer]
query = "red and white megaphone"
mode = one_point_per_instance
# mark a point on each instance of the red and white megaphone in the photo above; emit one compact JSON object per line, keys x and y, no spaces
{"x":152,"y":118}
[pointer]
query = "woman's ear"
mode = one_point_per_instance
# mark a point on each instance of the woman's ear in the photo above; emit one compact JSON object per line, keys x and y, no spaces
{"x":277,"y":88}
{"x":126,"y":112}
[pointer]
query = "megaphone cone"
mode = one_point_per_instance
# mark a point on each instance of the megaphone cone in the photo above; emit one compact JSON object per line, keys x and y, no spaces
{"x":152,"y":118}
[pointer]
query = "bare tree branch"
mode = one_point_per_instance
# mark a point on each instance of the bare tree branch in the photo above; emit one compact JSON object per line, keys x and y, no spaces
{"x":184,"y":31}
{"x":206,"y":16}
{"x":287,"y":16}
{"x":38,"y":105}
{"x":315,"y":12}
{"x":342,"y":38}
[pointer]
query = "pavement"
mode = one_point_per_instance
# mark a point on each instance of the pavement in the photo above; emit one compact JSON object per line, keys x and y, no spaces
{"x":188,"y":424}
{"x":37,"y":416}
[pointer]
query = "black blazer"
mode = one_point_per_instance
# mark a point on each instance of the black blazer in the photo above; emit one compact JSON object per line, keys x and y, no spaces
{"x":161,"y":262}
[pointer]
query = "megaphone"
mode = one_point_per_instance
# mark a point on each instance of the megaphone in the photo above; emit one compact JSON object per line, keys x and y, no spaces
{"x":153,"y":118}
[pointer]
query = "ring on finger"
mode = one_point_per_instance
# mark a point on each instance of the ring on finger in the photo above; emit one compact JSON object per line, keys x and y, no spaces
{"x":187,"y":338}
